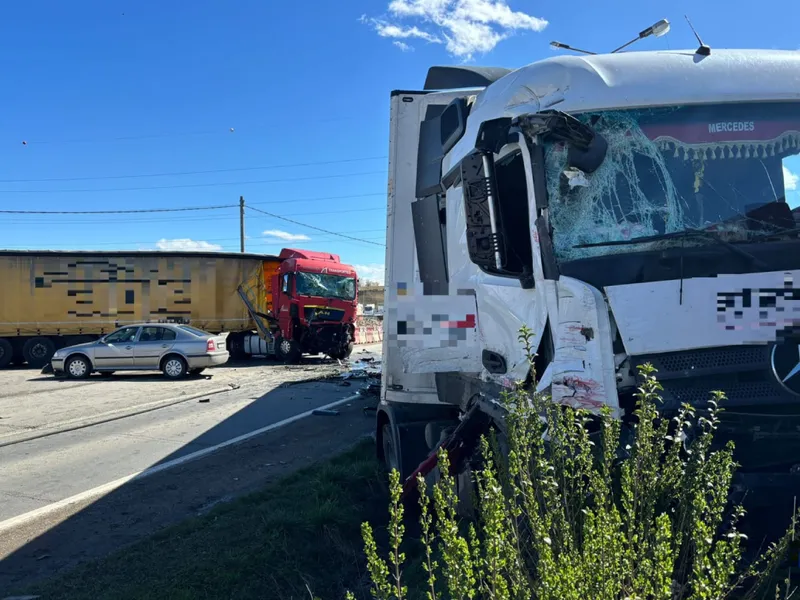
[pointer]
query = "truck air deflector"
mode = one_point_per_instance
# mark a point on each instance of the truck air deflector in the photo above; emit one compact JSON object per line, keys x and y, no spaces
{"x":453,"y":78}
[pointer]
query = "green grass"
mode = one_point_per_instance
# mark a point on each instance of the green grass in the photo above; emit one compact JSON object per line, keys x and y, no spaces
{"x":301,"y":531}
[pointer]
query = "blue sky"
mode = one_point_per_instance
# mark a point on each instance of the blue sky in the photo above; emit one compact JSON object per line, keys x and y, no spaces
{"x":104,"y":89}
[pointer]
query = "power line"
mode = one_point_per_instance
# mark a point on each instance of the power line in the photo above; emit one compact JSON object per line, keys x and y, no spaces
{"x":182,"y":173}
{"x":221,"y":131}
{"x":274,"y":216}
{"x":259,"y":239}
{"x":189,"y":208}
{"x":193,"y":185}
{"x":155,"y":220}
{"x":347,"y":197}
{"x":113,"y":212}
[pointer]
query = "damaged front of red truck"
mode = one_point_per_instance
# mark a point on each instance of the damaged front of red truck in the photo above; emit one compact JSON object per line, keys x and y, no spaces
{"x":316,"y":303}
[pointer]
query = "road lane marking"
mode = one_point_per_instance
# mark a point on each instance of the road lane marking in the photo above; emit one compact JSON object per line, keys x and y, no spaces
{"x":101,"y":490}
{"x":101,"y":418}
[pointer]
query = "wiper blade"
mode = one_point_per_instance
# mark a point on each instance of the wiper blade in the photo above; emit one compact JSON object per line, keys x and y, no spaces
{"x":645,"y":238}
{"x":682,"y":234}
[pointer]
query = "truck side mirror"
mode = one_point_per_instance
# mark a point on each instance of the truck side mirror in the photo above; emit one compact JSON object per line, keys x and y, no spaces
{"x":481,"y":208}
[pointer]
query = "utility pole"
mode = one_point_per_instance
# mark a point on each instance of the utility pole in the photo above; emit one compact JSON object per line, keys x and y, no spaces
{"x":241,"y":223}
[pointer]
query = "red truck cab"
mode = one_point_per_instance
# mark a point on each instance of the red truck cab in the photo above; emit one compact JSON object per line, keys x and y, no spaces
{"x":314,"y":297}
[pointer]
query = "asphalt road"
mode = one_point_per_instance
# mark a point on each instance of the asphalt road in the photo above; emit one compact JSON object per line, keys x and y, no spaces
{"x":40,"y":472}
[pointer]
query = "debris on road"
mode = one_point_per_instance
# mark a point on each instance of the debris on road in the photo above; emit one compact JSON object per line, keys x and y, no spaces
{"x":325,"y":412}
{"x":204,"y":400}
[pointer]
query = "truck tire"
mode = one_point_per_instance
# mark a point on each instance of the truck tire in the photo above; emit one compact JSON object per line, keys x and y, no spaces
{"x":6,"y":353}
{"x":38,"y":351}
{"x":391,"y":458}
{"x":288,"y":351}
{"x":236,"y":346}
{"x":342,"y":353}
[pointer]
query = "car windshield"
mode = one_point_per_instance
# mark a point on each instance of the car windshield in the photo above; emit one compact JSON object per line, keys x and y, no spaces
{"x":732,"y":168}
{"x":324,"y":285}
{"x":193,"y":331}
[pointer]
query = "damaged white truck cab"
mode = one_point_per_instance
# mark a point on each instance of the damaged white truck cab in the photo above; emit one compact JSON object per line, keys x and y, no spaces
{"x":627,"y":208}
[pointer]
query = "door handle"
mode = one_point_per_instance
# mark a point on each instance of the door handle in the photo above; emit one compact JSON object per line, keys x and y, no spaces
{"x":165,"y":345}
{"x":128,"y":347}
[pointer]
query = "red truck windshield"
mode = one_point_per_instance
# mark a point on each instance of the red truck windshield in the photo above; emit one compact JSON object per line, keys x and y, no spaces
{"x":325,"y":286}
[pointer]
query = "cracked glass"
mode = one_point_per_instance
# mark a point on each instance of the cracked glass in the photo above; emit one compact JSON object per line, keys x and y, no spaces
{"x":718,"y":167}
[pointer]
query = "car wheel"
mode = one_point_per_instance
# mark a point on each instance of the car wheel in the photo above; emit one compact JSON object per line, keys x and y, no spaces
{"x":38,"y":351}
{"x":77,"y":367}
{"x":174,"y":367}
{"x":6,"y":353}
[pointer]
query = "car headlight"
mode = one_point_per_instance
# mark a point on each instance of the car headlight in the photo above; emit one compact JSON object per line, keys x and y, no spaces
{"x":59,"y":354}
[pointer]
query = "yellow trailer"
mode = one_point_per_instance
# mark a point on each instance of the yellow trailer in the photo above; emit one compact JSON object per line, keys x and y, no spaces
{"x":51,"y":299}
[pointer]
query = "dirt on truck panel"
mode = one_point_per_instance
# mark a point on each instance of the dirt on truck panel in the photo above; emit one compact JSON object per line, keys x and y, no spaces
{"x":55,"y":299}
{"x":63,"y":293}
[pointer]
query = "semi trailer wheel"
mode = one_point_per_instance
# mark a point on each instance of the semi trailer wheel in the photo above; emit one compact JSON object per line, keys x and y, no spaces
{"x":6,"y":353}
{"x":38,"y":351}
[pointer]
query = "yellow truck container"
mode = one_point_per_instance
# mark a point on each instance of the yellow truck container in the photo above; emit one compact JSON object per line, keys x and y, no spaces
{"x":51,"y":299}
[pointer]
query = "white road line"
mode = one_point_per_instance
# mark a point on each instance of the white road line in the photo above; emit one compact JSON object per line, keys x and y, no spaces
{"x":101,"y":490}
{"x":14,"y":438}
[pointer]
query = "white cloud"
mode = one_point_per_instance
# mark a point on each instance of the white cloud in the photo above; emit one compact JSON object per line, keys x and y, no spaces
{"x":286,"y":236}
{"x":371,"y":272}
{"x":403,"y":46}
{"x":466,"y":27}
{"x":790,"y":180}
{"x":187,"y":245}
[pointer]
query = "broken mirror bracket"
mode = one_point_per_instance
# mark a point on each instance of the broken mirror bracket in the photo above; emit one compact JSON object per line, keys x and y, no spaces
{"x":483,"y":244}
{"x":586,"y":148}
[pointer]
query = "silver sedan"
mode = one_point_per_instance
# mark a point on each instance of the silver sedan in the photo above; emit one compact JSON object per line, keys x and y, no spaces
{"x":175,"y":350}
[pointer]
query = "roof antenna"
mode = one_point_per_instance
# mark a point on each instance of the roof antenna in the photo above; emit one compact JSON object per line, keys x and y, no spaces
{"x":567,"y":47}
{"x":703,"y":50}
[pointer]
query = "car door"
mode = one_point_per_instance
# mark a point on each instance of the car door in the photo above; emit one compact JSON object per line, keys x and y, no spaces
{"x":117,"y":350}
{"x":153,"y":343}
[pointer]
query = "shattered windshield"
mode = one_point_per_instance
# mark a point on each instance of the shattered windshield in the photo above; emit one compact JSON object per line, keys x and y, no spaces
{"x":326,"y":286}
{"x":732,"y":168}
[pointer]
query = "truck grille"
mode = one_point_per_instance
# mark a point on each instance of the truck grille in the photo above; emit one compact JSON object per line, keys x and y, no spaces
{"x":744,"y":373}
{"x":320,"y":313}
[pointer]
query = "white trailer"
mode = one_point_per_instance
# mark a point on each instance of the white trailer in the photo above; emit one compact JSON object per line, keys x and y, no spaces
{"x":627,"y":208}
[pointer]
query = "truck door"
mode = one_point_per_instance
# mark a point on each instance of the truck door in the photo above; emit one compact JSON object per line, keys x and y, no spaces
{"x":153,"y":343}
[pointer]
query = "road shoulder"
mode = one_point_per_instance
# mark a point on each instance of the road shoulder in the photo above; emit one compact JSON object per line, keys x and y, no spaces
{"x":93,"y":529}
